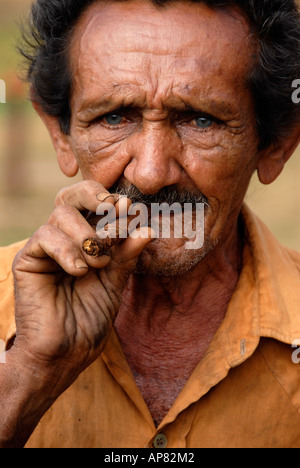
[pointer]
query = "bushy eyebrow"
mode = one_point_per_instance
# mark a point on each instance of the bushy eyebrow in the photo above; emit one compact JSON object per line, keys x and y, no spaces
{"x":220,"y":107}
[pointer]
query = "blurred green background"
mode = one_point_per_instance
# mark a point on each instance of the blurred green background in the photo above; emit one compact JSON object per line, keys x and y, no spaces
{"x":30,"y":176}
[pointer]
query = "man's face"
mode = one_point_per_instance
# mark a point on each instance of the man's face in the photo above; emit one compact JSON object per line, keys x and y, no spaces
{"x":160,"y":98}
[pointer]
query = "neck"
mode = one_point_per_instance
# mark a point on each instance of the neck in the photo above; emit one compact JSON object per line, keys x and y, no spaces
{"x":203,"y":292}
{"x":165,"y":325}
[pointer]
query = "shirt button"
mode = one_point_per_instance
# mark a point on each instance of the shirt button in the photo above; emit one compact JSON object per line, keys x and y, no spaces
{"x":160,"y":441}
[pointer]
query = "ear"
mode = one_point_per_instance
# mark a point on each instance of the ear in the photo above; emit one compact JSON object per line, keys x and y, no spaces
{"x":65,"y":155}
{"x":273,"y":159}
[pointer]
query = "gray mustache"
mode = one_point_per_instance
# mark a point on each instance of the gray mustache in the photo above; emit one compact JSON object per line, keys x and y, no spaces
{"x":169,"y":194}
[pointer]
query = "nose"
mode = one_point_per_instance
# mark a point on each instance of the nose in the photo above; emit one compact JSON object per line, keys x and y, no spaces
{"x":154,"y":155}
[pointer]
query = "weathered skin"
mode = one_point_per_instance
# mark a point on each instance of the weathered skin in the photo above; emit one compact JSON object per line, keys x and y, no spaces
{"x":159,"y":71}
{"x":199,"y":60}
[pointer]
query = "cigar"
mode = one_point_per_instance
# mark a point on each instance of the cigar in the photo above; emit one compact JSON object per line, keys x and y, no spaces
{"x":111,"y":235}
{"x":97,"y":246}
{"x":94,"y":248}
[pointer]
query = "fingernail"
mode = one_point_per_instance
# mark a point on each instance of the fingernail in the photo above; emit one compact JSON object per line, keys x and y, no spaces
{"x":80,"y":265}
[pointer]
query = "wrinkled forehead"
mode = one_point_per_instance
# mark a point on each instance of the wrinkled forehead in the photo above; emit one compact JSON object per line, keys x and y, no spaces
{"x":181,"y":43}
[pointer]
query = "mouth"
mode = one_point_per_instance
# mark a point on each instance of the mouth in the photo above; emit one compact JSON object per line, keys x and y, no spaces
{"x":171,"y":214}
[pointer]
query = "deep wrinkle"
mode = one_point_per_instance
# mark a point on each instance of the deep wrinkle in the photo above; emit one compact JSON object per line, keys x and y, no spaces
{"x":152,"y":149}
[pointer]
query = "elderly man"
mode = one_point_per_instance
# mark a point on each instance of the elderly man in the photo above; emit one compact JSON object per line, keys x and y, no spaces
{"x":152,"y":344}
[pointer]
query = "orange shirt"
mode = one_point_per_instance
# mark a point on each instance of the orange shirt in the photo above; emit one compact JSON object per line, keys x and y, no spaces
{"x":245,"y":392}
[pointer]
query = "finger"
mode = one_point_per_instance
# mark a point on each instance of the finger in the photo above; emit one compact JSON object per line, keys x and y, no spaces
{"x":75,"y":226}
{"x":112,"y":234}
{"x":133,"y":246}
{"x":85,"y":195}
{"x":91,"y":197}
{"x":49,"y":245}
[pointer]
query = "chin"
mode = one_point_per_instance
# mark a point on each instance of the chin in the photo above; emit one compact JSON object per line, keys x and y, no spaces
{"x":170,"y":258}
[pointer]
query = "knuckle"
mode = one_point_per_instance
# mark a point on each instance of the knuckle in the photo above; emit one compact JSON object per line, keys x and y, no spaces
{"x":42,"y":232}
{"x":17,"y":261}
{"x":61,"y":197}
{"x":92,"y":188}
{"x":59,"y":213}
{"x":93,"y":185}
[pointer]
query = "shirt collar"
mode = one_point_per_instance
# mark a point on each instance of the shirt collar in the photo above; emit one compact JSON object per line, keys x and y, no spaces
{"x":277,"y":282}
{"x":267,"y":298}
{"x":264,"y":304}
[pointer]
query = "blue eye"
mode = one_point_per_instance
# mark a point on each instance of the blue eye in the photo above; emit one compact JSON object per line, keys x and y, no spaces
{"x":203,"y":122}
{"x":113,"y":119}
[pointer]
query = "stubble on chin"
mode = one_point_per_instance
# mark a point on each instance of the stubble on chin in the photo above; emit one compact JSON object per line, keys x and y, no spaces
{"x":159,"y":259}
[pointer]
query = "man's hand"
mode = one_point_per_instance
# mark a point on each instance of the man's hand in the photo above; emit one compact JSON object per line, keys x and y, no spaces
{"x":67,"y":301}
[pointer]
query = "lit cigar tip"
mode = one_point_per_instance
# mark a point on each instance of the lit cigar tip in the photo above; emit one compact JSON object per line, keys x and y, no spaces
{"x":92,"y":248}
